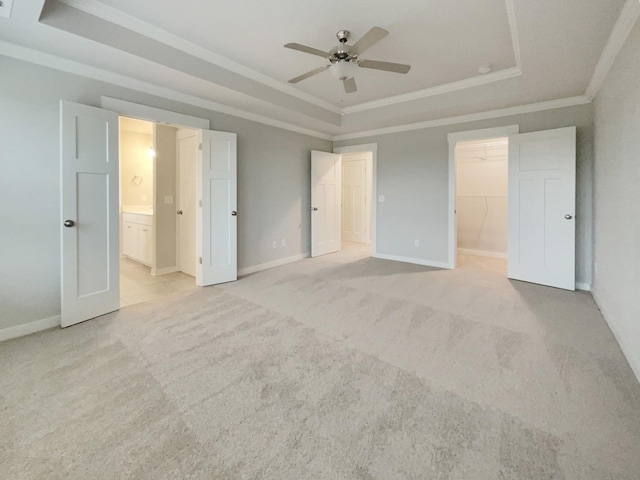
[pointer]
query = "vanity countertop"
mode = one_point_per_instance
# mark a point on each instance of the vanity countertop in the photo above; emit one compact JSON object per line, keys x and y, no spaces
{"x":138,"y":211}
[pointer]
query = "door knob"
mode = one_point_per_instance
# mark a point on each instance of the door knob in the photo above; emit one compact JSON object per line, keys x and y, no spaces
{"x":568,"y":217}
{"x":179,"y":212}
{"x":69,"y":223}
{"x":234,"y":213}
{"x":315,"y":209}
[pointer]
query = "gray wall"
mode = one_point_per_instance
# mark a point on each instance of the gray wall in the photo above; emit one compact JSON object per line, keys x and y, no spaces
{"x":617,"y":199}
{"x":273,"y":183}
{"x":164,"y":140}
{"x":413,"y":176}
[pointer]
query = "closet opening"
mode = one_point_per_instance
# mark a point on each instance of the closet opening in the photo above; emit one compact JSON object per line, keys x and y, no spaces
{"x":481,"y":168}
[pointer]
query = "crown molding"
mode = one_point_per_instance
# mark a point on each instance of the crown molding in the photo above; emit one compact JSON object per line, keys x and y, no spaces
{"x":111,"y":15}
{"x":433,"y":91}
{"x":70,"y":66}
{"x":621,"y":30}
{"x":503,"y":112}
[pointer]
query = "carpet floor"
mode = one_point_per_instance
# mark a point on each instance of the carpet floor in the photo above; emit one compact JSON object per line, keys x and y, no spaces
{"x":338,"y":367}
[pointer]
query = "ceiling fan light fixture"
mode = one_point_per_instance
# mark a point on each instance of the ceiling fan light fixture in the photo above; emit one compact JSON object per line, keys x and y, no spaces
{"x":343,"y":69}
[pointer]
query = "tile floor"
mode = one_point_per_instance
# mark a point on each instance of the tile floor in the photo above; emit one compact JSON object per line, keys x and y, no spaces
{"x":137,"y":285}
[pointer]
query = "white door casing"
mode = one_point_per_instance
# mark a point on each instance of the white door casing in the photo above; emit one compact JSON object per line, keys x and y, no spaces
{"x":326,"y":183}
{"x":542,"y":191}
{"x":216,"y":222}
{"x":90,"y":269}
{"x":187,"y":203}
{"x":354,"y":200}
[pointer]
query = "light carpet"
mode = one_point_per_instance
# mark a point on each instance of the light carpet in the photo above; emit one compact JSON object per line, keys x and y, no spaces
{"x":338,"y":367}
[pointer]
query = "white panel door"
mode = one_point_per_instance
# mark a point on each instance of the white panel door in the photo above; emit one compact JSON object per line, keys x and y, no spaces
{"x":216,"y":238}
{"x":89,"y":184}
{"x":326,"y":225}
{"x":542,"y":191}
{"x":354,"y":200}
{"x":187,"y":203}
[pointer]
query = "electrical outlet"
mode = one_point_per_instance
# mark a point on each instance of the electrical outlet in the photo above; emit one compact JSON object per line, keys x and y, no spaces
{"x":284,"y":242}
{"x":416,"y":243}
{"x":275,"y":244}
{"x":381,"y":199}
{"x":5,"y":8}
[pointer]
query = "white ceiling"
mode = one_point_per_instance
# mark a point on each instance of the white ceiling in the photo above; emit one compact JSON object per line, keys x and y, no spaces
{"x":230,"y":57}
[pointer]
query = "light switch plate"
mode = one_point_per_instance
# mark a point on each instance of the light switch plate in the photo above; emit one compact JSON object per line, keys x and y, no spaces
{"x":5,"y":8}
{"x":381,"y":198}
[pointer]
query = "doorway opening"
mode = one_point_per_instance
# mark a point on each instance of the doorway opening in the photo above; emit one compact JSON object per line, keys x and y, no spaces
{"x":357,"y":189}
{"x":157,"y":211}
{"x":481,"y":182}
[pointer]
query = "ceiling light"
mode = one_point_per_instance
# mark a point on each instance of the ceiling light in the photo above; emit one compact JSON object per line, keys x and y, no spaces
{"x":485,"y":69}
{"x":151,"y":152}
{"x":343,"y":69}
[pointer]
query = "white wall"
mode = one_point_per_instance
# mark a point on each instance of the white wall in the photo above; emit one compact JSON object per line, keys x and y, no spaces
{"x":273,"y":184}
{"x":413,"y":177}
{"x":481,"y":197}
{"x":617,"y":199}
{"x":135,"y":162}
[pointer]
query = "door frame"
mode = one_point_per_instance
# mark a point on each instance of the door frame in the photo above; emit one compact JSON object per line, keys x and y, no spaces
{"x":155,"y":115}
{"x":373,"y":149}
{"x":453,"y":139}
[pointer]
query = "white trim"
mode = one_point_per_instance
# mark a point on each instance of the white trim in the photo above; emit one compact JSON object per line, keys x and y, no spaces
{"x":585,"y":287}
{"x":513,"y":27}
{"x":416,"y":261}
{"x":437,"y":90}
{"x":473,"y":117}
{"x":482,"y":253}
{"x":58,"y":63}
{"x":373,"y":148}
{"x":152,"y":114}
{"x":275,"y":263}
{"x":627,"y":350}
{"x":29,"y":328}
{"x":156,"y":272}
{"x":453,"y":139}
{"x":621,"y":30}
{"x":111,"y":15}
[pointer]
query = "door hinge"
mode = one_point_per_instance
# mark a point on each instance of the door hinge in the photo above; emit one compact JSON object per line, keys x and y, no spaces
{"x":200,"y":147}
{"x":200,"y":203}
{"x":200,"y":260}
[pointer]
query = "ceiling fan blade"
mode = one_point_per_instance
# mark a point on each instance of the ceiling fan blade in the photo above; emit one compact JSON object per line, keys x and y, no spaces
{"x":309,"y":74}
{"x":305,"y":49}
{"x":350,"y":85}
{"x":386,"y":66}
{"x":369,"y":39}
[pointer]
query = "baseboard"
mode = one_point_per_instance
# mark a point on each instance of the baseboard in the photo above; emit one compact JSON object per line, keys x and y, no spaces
{"x":482,"y":253}
{"x":29,"y":328}
{"x":268,"y":265}
{"x":586,"y":287}
{"x":416,"y":261}
{"x":156,"y":272}
{"x":628,"y":352}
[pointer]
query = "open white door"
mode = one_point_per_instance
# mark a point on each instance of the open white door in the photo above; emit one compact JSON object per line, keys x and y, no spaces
{"x":216,"y":223}
{"x":326,"y":204}
{"x":89,"y":205}
{"x":542,"y":191}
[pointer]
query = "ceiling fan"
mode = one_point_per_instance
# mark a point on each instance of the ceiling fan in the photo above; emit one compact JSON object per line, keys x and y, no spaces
{"x":344,"y":59}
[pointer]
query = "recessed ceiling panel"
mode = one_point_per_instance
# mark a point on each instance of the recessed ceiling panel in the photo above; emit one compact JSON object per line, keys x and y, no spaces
{"x":443,"y":41}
